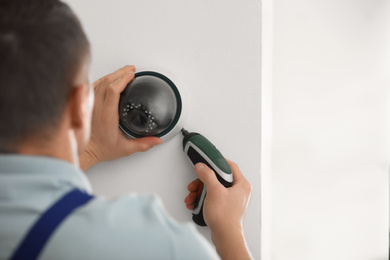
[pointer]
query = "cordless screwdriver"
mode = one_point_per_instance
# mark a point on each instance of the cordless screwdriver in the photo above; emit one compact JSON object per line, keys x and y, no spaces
{"x":199,"y":149}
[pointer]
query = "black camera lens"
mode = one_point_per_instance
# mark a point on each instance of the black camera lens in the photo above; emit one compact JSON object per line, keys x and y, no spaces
{"x":138,"y":120}
{"x":150,"y":105}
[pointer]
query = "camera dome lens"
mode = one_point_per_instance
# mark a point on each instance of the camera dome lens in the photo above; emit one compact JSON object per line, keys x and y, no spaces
{"x":150,"y":105}
{"x":138,"y":120}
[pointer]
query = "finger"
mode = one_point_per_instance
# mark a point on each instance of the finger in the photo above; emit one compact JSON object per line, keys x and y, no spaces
{"x":142,"y":144}
{"x":190,"y":199}
{"x":97,"y":83}
{"x":206,"y":175}
{"x":149,"y":140}
{"x":108,"y":79}
{"x":118,"y":73}
{"x":190,"y":206}
{"x":100,"y":86}
{"x":99,"y":98}
{"x":114,"y":90}
{"x":194,"y":185}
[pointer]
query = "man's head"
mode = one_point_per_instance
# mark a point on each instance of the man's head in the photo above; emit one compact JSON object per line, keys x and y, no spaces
{"x":44,"y":57}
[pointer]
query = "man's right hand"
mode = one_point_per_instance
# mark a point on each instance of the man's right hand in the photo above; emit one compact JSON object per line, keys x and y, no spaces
{"x":223,"y":210}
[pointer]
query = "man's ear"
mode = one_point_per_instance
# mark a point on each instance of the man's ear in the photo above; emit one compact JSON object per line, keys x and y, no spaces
{"x":77,"y":107}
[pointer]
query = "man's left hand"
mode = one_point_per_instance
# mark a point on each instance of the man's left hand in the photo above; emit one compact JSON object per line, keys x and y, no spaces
{"x":107,"y":142}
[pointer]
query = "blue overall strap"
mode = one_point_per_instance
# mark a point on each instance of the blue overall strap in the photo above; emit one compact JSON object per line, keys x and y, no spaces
{"x":39,"y":234}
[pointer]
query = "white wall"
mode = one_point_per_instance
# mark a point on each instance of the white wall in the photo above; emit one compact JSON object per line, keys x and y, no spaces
{"x":266,"y":127}
{"x":331,"y":131}
{"x":214,"y":48}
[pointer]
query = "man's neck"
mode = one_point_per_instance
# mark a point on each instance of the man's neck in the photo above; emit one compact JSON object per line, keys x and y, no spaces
{"x":60,"y":146}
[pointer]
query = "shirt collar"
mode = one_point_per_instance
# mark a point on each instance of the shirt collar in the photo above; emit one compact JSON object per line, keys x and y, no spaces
{"x":49,"y":169}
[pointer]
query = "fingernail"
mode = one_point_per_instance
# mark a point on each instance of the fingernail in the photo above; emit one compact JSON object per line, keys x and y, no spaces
{"x":130,"y":72}
{"x":199,"y":166}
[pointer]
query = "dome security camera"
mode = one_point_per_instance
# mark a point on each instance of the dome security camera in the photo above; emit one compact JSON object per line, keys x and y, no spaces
{"x":151,"y":105}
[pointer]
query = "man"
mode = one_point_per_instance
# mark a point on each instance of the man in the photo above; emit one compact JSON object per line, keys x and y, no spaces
{"x":48,"y":129}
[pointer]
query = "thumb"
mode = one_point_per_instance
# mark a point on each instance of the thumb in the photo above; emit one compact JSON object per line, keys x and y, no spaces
{"x":143,"y":144}
{"x":206,"y":175}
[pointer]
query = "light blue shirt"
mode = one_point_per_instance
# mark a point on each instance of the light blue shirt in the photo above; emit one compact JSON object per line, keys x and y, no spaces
{"x":128,"y":227}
